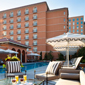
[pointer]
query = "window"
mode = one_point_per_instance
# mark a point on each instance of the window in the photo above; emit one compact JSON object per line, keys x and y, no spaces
{"x":77,"y":19}
{"x":19,"y":20}
{"x":81,"y":33}
{"x":35,"y":49}
{"x":26,"y":30}
{"x":19,"y":26}
{"x":4,"y":28}
{"x":64,"y":20}
{"x":35,"y":36}
{"x":69,"y":30}
{"x":4,"y":16}
{"x":26,"y":37}
{"x":4,"y":33}
{"x":26,"y":18}
{"x":35,"y":23}
{"x":81,"y":30}
{"x":12,"y":38}
{"x":26,"y":24}
{"x":77,"y":23}
{"x":73,"y":31}
{"x":73,"y":19}
{"x":11,"y":26}
{"x":19,"y":13}
{"x":35,"y":10}
{"x":64,"y":13}
{"x":19,"y":38}
{"x":11,"y":32}
{"x":11,"y":14}
{"x":69,"y":27}
{"x":64,"y":27}
{"x":73,"y":23}
{"x":81,"y":22}
{"x":81,"y":26}
{"x":4,"y":22}
{"x":81,"y":18}
{"x":77,"y":27}
{"x":26,"y":43}
{"x":19,"y":32}
{"x":73,"y":27}
{"x":35,"y":30}
{"x":77,"y":30}
{"x":69,"y":20}
{"x":69,"y":23}
{"x":34,"y":42}
{"x":11,"y":21}
{"x":26,"y":11}
{"x":35,"y":17}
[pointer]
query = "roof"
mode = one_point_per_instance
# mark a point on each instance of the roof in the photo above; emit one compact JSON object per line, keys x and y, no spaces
{"x":57,"y":9}
{"x":6,"y":40}
{"x":26,"y":6}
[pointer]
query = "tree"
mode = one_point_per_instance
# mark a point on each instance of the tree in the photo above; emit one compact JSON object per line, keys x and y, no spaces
{"x":40,"y":56}
{"x":46,"y":56}
{"x":81,"y":52}
{"x":50,"y":56}
{"x":60,"y":56}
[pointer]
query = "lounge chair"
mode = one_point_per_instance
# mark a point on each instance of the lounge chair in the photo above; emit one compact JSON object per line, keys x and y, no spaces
{"x":74,"y":65}
{"x":71,"y":62}
{"x":52,"y":71}
{"x":72,"y":78}
{"x":59,"y":69}
{"x":13,"y":69}
{"x":1,"y":62}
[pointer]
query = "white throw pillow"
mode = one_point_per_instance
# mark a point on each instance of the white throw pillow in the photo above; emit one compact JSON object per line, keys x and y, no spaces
{"x":52,"y":67}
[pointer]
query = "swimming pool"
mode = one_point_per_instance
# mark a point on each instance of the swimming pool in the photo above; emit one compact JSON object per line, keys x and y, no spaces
{"x":28,"y":66}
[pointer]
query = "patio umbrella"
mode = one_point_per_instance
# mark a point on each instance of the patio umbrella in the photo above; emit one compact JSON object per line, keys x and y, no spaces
{"x":33,"y":54}
{"x":66,"y":40}
{"x":2,"y":51}
{"x":72,"y":50}
{"x":11,"y":51}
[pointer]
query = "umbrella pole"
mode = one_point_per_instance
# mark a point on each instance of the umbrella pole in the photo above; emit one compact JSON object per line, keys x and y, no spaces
{"x":68,"y":53}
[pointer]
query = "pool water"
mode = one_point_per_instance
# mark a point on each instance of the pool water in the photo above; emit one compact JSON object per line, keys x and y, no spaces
{"x":29,"y":66}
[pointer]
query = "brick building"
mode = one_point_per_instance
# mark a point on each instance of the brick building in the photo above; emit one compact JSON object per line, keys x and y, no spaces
{"x":76,"y":24}
{"x":33,"y":24}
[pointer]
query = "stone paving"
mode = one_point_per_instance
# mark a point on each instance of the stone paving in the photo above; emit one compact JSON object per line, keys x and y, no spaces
{"x":30,"y":74}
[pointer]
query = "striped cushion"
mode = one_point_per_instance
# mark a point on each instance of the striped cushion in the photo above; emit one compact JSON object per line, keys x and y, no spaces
{"x":53,"y":67}
{"x":13,"y":66}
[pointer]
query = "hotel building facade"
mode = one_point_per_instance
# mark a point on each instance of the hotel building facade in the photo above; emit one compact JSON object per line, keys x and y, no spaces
{"x":76,"y":25}
{"x":33,"y":24}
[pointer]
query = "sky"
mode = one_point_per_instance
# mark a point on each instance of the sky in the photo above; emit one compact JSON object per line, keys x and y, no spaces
{"x":76,"y":7}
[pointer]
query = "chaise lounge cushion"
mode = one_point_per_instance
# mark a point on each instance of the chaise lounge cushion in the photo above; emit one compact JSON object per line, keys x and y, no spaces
{"x":70,"y":76}
{"x":82,"y":78}
{"x":67,"y":82}
{"x":49,"y":76}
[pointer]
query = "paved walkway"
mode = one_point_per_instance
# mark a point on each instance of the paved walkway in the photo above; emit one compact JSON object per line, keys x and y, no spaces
{"x":30,"y":74}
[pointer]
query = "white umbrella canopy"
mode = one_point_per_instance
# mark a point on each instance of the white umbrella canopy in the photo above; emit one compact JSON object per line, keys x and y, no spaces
{"x":33,"y":54}
{"x":2,"y":51}
{"x":10,"y":51}
{"x":72,"y":50}
{"x":66,"y":40}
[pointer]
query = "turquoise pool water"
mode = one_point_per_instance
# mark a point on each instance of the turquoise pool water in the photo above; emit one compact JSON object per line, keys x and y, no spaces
{"x":28,"y":66}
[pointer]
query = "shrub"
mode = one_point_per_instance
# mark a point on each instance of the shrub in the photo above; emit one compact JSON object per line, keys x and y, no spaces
{"x":50,"y":56}
{"x":60,"y":56}
{"x":40,"y":56}
{"x":46,"y":56}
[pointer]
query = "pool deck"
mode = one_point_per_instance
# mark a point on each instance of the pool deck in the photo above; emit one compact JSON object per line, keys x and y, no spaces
{"x":30,"y":74}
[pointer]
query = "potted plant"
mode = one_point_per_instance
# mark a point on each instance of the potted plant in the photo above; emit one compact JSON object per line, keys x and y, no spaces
{"x":12,"y":59}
